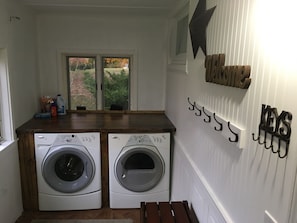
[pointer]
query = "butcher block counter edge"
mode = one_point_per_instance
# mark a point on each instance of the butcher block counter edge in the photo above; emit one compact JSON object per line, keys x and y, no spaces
{"x":82,"y":121}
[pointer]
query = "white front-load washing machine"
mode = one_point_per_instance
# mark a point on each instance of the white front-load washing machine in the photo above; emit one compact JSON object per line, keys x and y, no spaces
{"x":68,"y":167}
{"x":139,"y":169}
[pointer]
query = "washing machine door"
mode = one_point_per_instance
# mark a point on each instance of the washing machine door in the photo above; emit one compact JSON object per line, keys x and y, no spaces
{"x":68,"y":169}
{"x":139,"y":168}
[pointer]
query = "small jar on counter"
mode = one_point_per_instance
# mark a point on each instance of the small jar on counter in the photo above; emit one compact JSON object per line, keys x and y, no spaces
{"x":54,"y":110}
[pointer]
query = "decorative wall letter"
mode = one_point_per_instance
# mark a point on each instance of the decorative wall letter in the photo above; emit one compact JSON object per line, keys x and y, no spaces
{"x":277,"y":126}
{"x":233,"y":76}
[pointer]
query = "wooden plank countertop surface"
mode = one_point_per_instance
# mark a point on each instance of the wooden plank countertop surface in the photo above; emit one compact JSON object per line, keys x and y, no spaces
{"x":103,"y":122}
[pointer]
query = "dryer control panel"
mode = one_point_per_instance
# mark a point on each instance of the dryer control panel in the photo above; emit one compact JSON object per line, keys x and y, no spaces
{"x":150,"y":139}
{"x":139,"y":139}
{"x":67,"y":139}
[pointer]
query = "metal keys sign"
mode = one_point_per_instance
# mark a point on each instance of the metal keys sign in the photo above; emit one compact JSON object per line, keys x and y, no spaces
{"x":274,"y":126}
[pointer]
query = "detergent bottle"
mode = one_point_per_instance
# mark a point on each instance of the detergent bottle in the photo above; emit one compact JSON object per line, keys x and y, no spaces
{"x":60,"y":105}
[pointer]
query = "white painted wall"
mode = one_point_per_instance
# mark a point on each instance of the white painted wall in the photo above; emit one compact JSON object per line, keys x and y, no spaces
{"x":224,"y":183}
{"x":10,"y":190}
{"x":18,"y":39}
{"x":146,"y":35}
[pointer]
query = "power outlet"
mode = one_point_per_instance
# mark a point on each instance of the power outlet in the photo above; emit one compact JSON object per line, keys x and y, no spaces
{"x":268,"y":218}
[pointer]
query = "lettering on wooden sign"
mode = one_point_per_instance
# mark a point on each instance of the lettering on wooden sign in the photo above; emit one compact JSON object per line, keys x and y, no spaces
{"x":233,"y":76}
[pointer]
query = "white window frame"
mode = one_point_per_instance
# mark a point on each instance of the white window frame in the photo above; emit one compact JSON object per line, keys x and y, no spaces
{"x":62,"y":75}
{"x":5,"y":103}
{"x":178,"y":62}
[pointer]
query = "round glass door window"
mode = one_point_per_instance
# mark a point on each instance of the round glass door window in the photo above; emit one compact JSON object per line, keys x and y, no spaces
{"x":139,"y":169}
{"x":68,"y":169}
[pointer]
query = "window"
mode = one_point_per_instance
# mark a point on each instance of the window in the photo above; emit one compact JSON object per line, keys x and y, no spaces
{"x":99,"y":82}
{"x":115,"y":87}
{"x":181,"y":36}
{"x":6,"y":132}
{"x":82,"y":87}
{"x":177,"y":48}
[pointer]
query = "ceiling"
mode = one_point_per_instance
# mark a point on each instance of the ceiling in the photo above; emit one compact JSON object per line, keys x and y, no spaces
{"x":153,"y":7}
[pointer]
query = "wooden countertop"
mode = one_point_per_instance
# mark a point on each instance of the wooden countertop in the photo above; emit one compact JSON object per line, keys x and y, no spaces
{"x":103,"y":122}
{"x":109,"y":122}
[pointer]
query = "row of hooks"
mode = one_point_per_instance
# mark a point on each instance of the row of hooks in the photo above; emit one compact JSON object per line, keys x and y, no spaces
{"x":269,"y":144}
{"x":217,"y":122}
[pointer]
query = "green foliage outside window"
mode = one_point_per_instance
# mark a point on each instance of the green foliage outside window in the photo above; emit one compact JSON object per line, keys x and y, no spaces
{"x":116,"y":89}
{"x":90,"y":82}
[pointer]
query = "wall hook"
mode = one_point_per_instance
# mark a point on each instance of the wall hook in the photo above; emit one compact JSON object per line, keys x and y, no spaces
{"x":255,"y":139}
{"x":220,"y":124}
{"x":271,"y":143}
{"x":191,"y":108}
{"x":262,"y":143}
{"x":264,"y":140}
{"x":275,"y":151}
{"x":199,"y":110}
{"x":208,"y":120}
{"x":286,"y":151}
{"x":234,"y":133}
{"x":258,"y":139}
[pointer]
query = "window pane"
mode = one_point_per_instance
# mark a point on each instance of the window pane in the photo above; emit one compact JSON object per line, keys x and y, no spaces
{"x":181,"y":36}
{"x":116,"y":83}
{"x":6,"y":125}
{"x":82,"y":82}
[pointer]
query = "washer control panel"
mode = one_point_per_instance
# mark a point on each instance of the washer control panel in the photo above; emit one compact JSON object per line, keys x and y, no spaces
{"x":44,"y":138}
{"x":67,"y":138}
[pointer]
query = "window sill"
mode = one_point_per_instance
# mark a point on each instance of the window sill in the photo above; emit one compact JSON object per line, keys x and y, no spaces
{"x":6,"y":144}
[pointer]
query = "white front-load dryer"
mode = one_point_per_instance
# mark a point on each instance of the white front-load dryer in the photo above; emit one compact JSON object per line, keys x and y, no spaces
{"x":68,"y":167}
{"x":139,"y":169}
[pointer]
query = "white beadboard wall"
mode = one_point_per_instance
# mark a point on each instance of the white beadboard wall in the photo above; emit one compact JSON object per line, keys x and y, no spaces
{"x":222,"y":182}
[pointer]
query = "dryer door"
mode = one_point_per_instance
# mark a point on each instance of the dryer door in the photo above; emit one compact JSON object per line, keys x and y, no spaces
{"x":68,"y":169}
{"x":139,"y":169}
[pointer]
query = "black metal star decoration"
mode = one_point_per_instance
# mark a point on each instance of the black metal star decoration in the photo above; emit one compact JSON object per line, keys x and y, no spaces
{"x":198,"y":24}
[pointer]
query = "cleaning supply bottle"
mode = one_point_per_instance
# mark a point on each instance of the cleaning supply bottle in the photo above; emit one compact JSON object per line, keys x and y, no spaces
{"x":60,"y":105}
{"x":54,"y":110}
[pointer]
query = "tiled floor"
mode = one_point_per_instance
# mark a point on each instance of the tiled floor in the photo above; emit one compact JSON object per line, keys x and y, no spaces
{"x":104,"y":213}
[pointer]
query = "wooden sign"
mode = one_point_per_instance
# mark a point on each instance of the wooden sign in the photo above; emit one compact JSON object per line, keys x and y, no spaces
{"x":232,"y":76}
